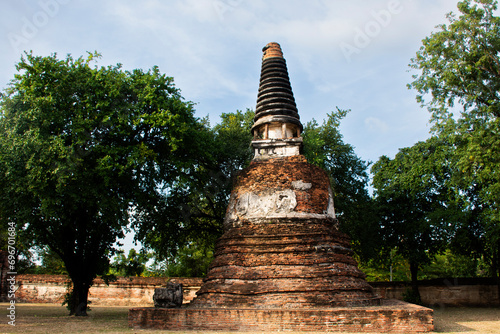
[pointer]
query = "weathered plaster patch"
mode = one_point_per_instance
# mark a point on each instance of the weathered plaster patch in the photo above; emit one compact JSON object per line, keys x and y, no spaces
{"x":301,"y":185}
{"x":256,"y":207}
{"x":330,"y":211}
{"x":262,"y":205}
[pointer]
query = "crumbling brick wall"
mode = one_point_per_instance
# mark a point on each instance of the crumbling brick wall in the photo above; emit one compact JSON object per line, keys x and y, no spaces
{"x":126,"y":291}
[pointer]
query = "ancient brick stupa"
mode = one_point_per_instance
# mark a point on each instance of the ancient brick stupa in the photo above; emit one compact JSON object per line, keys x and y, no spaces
{"x":281,"y":246}
{"x":282,"y":264}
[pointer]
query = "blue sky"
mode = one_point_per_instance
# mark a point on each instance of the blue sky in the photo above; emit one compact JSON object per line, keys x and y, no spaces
{"x":351,"y":54}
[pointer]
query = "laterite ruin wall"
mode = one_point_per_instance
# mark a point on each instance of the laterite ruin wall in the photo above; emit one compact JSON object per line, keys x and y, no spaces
{"x":472,"y":292}
{"x":125,"y":291}
{"x":138,"y":291}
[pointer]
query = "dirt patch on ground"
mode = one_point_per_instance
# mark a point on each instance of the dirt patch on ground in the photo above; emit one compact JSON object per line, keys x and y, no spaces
{"x":467,"y":320}
{"x":50,"y":318}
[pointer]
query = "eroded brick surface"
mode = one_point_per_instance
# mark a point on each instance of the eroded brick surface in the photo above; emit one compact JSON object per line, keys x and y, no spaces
{"x":279,"y":174}
{"x":283,"y":262}
{"x":393,"y":316}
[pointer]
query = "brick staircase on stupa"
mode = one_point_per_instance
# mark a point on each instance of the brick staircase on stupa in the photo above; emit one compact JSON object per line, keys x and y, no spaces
{"x":281,"y":246}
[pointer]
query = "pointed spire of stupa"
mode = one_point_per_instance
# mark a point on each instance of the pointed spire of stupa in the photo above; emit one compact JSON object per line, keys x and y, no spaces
{"x":277,"y":126}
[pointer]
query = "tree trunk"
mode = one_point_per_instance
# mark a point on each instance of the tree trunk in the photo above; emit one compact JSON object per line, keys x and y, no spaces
{"x":496,"y":267}
{"x":78,"y":299}
{"x":414,"y":281}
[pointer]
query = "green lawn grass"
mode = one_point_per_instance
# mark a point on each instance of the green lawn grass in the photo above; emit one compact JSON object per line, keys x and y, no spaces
{"x":50,"y":318}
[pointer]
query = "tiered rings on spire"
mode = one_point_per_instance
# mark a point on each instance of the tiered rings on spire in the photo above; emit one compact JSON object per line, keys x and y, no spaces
{"x":277,"y":126}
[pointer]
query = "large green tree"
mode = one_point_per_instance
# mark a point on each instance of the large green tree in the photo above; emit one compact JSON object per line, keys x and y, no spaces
{"x":459,"y":83}
{"x":82,"y":148}
{"x":415,"y":202}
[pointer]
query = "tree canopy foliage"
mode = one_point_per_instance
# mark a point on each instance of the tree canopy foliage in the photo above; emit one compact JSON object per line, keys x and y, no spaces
{"x":190,"y":212}
{"x":415,"y":202}
{"x":324,"y":146}
{"x":460,"y":64}
{"x":190,"y":261}
{"x":459,"y":83}
{"x":82,"y":149}
{"x":134,"y":264}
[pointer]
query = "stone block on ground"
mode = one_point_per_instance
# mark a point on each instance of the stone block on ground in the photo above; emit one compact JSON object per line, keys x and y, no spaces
{"x":169,"y":297}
